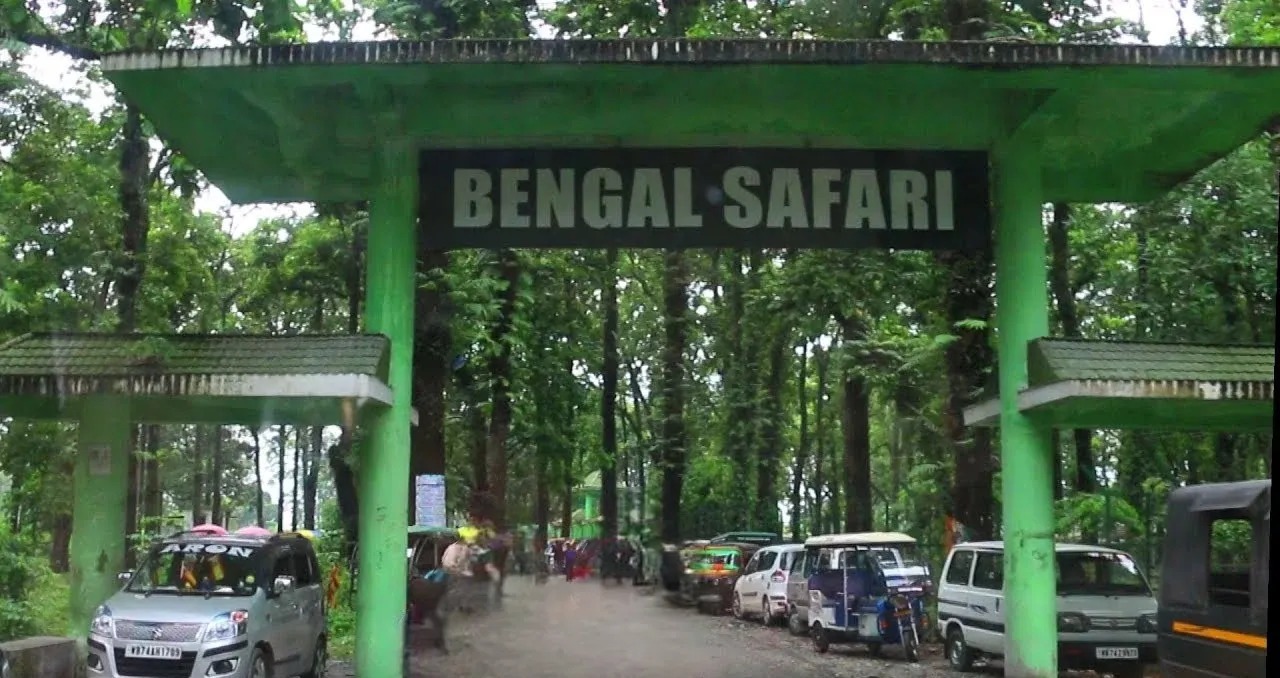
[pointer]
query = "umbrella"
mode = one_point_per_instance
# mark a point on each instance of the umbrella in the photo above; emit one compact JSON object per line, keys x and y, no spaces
{"x":209,"y":528}
{"x":254,"y":531}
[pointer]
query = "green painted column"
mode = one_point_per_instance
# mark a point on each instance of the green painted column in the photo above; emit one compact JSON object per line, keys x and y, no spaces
{"x":1022,"y":314}
{"x":99,"y":495}
{"x":383,"y":470}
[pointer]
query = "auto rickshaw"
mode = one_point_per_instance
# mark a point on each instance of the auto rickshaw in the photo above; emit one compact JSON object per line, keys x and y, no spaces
{"x":867,"y":587}
{"x":710,"y":574}
{"x":1212,"y":618}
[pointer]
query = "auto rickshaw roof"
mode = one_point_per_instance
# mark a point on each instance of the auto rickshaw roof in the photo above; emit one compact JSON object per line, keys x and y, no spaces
{"x":1061,"y":547}
{"x":860,"y":539}
{"x":1238,"y":496}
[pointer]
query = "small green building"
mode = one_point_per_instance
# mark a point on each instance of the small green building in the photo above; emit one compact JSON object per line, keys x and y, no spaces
{"x":586,"y":519}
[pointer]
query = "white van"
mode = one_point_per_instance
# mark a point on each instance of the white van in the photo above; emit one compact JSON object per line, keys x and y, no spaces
{"x":1106,"y":611}
{"x":761,"y":589}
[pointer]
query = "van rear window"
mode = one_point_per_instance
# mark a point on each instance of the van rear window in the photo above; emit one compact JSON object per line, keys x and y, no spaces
{"x":1099,"y":573}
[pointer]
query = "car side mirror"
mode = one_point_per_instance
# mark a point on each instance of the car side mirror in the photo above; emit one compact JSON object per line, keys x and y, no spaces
{"x":281,"y":585}
{"x":123,"y":577}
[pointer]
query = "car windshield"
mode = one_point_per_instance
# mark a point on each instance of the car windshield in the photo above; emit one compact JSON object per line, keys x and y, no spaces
{"x":197,"y":568}
{"x":1100,"y":573}
{"x":710,"y":559}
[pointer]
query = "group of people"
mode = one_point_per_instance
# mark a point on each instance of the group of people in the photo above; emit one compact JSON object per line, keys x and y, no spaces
{"x":616,"y":558}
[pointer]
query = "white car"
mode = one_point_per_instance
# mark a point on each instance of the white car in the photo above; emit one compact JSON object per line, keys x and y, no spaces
{"x":761,"y":589}
{"x":1106,"y":611}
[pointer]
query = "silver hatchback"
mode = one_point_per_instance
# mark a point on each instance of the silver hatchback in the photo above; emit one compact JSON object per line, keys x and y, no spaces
{"x":205,"y":606}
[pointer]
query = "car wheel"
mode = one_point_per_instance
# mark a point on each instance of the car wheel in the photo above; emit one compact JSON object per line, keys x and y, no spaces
{"x":766,"y":617}
{"x":958,"y":652}
{"x":258,"y":666}
{"x":794,"y":624}
{"x":319,"y":661}
{"x":821,"y":642}
{"x":737,"y":607}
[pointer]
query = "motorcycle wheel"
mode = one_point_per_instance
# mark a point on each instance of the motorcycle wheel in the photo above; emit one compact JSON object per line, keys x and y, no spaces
{"x":910,"y":647}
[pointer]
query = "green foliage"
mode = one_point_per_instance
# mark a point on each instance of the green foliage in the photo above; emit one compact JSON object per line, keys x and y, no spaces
{"x":17,"y":579}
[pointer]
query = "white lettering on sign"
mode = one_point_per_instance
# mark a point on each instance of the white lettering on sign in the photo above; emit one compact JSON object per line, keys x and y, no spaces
{"x":195,"y":548}
{"x":747,"y":198}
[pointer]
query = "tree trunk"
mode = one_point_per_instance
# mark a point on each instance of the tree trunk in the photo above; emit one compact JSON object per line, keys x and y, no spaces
{"x":609,"y":400}
{"x":969,"y":359}
{"x":501,"y":374}
{"x":1086,"y":477}
{"x":134,"y":171}
{"x":311,"y":482}
{"x":197,"y":475}
{"x":152,"y":495}
{"x":566,"y":506}
{"x":293,"y":494}
{"x":541,"y":502}
{"x":739,"y":385}
{"x":259,"y":508}
{"x":818,"y":509}
{"x":60,"y":543}
{"x":675,"y":310}
{"x":432,"y":347}
{"x":802,"y":450}
{"x":215,"y":498}
{"x":344,"y":482}
{"x":282,"y":445}
{"x":856,"y":424}
{"x":769,"y":451}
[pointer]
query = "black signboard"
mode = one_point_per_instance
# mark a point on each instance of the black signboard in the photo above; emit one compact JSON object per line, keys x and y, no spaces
{"x":704,"y":197}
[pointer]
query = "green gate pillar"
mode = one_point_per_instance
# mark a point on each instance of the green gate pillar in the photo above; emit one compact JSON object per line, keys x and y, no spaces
{"x":1022,"y":314}
{"x":383,"y":469}
{"x":100,"y":493}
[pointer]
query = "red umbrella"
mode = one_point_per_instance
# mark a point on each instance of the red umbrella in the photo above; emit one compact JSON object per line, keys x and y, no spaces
{"x":209,"y":528}
{"x":254,"y":531}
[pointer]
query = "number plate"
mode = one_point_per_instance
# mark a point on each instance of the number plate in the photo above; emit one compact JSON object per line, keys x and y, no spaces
{"x":1117,"y":653}
{"x":152,"y":652}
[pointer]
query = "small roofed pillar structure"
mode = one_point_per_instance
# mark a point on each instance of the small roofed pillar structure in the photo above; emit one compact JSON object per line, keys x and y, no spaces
{"x":108,"y":382}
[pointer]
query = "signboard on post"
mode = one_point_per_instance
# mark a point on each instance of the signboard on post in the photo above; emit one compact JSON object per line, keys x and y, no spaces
{"x":429,"y":508}
{"x":99,"y":460}
{"x":705,"y":197}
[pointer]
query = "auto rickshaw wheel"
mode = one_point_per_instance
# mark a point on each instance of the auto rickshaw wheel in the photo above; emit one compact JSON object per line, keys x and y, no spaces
{"x":873,"y":649}
{"x":821,"y":642}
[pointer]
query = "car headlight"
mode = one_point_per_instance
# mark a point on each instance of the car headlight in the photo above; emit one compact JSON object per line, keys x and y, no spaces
{"x":102,"y":623}
{"x":1147,"y":623}
{"x":1072,"y":622}
{"x":227,"y":625}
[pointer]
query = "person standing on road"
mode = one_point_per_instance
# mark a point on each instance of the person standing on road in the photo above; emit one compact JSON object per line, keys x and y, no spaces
{"x":456,"y":562}
{"x":570,"y":560}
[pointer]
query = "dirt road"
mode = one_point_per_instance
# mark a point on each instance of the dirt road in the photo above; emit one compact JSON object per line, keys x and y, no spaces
{"x":586,"y":630}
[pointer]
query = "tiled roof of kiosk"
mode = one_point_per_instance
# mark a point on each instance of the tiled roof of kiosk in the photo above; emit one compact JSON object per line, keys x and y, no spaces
{"x":643,"y":50}
{"x":1050,"y":360}
{"x":101,"y":355}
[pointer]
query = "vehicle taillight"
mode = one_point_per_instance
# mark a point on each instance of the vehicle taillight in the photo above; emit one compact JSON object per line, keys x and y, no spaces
{"x":777,"y":577}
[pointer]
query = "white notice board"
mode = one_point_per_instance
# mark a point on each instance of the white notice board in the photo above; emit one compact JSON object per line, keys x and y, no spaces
{"x":428,"y":501}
